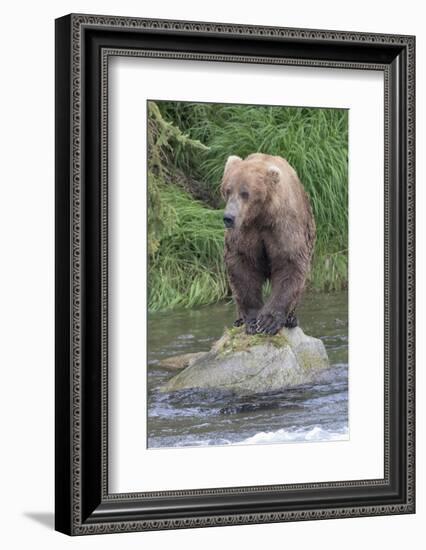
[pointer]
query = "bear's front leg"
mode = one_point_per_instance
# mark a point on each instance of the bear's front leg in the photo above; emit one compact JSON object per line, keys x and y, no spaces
{"x":273,"y":322}
{"x":278,"y":312}
{"x":250,"y":322}
{"x":246,"y":284}
{"x":270,"y":322}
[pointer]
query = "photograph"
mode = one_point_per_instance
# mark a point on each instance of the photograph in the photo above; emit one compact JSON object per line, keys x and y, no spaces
{"x":234,"y":270}
{"x":247,"y":245}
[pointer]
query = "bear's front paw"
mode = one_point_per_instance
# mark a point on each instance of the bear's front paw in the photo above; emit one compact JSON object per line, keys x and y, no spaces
{"x":291,"y":321}
{"x":251,"y":326}
{"x":238,"y":322}
{"x":268,"y":323}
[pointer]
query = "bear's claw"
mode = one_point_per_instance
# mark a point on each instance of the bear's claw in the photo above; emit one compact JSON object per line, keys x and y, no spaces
{"x":291,"y":321}
{"x":268,"y":324}
{"x":238,"y":322}
{"x":251,"y":327}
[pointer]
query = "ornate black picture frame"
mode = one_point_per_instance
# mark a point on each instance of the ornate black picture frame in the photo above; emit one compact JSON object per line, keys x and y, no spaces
{"x":83,"y":45}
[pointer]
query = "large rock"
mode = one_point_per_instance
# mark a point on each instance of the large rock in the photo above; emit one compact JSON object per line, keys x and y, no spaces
{"x":255,"y":364}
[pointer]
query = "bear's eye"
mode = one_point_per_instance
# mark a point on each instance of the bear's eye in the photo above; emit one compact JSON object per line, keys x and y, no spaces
{"x":244,"y":195}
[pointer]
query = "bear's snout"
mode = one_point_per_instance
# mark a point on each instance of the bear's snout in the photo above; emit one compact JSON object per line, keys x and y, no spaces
{"x":228,"y":220}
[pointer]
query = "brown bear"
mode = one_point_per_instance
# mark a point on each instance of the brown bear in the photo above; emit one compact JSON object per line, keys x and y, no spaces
{"x":270,"y":235}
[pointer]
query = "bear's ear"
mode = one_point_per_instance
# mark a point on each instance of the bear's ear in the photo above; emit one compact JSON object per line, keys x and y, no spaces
{"x":231,"y":160}
{"x":273,"y":174}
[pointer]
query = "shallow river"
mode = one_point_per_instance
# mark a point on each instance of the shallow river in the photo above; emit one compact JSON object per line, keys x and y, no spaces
{"x":193,"y":417}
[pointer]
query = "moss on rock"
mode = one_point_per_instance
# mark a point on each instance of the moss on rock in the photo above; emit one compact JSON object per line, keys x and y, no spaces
{"x":235,"y":339}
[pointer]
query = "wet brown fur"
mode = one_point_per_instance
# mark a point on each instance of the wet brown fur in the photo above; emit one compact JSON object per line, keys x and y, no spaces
{"x":273,"y":238}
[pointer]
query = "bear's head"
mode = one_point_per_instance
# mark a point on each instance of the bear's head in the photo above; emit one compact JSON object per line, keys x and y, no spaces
{"x":246,"y":187}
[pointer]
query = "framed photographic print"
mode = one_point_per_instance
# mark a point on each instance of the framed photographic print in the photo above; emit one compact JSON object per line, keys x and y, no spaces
{"x":234,"y":274}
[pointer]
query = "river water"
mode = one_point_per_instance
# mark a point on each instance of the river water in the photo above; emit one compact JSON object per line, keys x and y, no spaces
{"x":203,"y":417}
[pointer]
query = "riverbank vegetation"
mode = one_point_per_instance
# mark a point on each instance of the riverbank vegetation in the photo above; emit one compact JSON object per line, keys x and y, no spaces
{"x":188,"y":144}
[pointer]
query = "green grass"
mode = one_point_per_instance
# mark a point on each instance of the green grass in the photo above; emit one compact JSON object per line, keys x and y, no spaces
{"x":187,"y":268}
{"x":185,"y":236}
{"x":193,"y":142}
